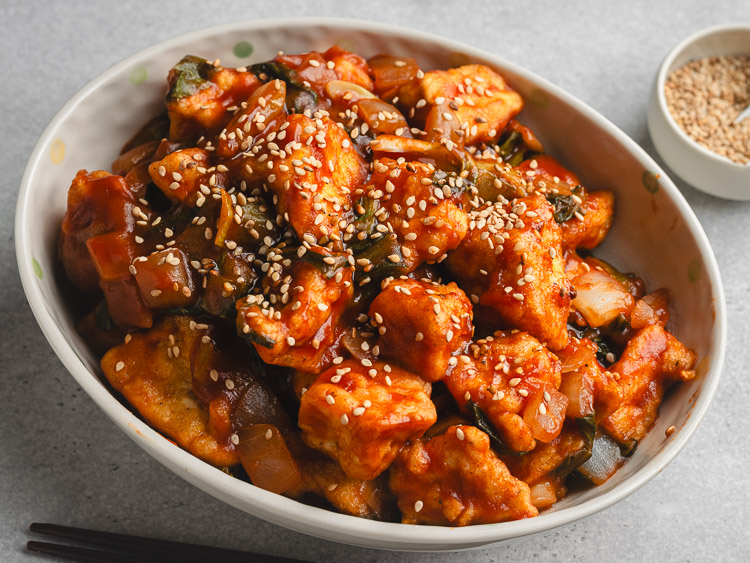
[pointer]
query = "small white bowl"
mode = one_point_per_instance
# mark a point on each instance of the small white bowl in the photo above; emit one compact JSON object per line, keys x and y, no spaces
{"x":698,"y":166}
{"x":655,"y":234}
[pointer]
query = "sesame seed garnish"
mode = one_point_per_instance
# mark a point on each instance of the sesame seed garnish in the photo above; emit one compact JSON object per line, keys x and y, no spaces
{"x":235,"y":439}
{"x":359,"y":411}
{"x":542,"y":408}
{"x":418,"y":506}
{"x":515,"y":381}
{"x":214,"y":375}
{"x":119,"y":366}
{"x":419,"y":337}
{"x":460,"y":434}
{"x":344,"y":419}
{"x":330,"y":399}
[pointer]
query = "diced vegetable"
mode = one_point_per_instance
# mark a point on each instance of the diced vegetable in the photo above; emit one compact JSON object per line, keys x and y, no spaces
{"x":651,"y":310}
{"x":604,"y":461}
{"x":266,"y":458}
{"x":578,"y":387}
{"x":543,"y":495}
{"x":601,"y":298}
{"x":546,"y":416}
{"x":166,"y":280}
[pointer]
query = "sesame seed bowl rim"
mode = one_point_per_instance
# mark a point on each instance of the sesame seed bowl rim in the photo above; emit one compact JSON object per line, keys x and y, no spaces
{"x":697,"y":165}
{"x":281,"y":510}
{"x":666,"y":68}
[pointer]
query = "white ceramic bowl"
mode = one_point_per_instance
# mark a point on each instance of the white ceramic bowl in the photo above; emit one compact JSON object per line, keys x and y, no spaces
{"x":698,"y":166}
{"x":655,"y":234}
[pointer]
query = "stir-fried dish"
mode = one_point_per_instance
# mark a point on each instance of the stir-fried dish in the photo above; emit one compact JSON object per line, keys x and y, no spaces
{"x":366,"y":286}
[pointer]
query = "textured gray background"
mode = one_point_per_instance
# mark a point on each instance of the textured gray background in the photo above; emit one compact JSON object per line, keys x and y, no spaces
{"x":61,"y":460}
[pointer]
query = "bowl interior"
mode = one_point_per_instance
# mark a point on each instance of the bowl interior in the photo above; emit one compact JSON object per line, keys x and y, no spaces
{"x":655,"y":235}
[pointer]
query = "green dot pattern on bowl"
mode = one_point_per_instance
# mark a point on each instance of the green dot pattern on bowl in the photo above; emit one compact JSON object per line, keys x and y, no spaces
{"x":138,"y":75}
{"x":650,"y":181}
{"x":243,"y":49}
{"x":694,"y":271}
{"x":37,"y":268}
{"x":539,"y":98}
{"x":345,"y":44}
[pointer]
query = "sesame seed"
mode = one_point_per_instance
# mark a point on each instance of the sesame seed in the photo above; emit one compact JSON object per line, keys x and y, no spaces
{"x":542,"y":408}
{"x":229,"y":384}
{"x":235,"y":439}
{"x":269,"y":434}
{"x":515,"y":381}
{"x":418,"y":506}
{"x":419,"y":337}
{"x":119,"y":366}
{"x":460,"y":434}
{"x":214,"y":375}
{"x":359,"y":411}
{"x":330,"y":400}
{"x":344,"y":419}
{"x":290,"y":340}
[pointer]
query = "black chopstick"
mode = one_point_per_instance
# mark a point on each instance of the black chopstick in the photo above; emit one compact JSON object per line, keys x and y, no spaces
{"x":136,"y":549}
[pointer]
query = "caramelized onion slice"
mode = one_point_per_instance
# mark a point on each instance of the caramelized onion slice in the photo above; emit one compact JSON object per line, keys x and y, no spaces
{"x":266,"y":458}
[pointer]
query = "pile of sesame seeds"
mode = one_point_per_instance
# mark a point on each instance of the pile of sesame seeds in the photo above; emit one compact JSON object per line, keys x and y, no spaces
{"x":705,"y":96}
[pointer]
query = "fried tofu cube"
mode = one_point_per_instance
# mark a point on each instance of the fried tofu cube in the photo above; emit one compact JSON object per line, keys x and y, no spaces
{"x":589,"y":232}
{"x":264,"y":109}
{"x":472,"y":99}
{"x":323,"y":477}
{"x":426,"y":213}
{"x":199,"y":95}
{"x":294,"y":323}
{"x":579,"y":359}
{"x":349,"y":66}
{"x":552,"y":461}
{"x":362,"y":413}
{"x":651,"y":362}
{"x":504,"y":375}
{"x":152,"y":371}
{"x":422,"y":325}
{"x":186,"y":177}
{"x":455,"y":479}
{"x":311,"y":168}
{"x":511,"y":261}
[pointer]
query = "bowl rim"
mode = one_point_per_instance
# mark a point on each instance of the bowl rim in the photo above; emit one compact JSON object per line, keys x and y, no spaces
{"x":287,"y":512}
{"x":661,"y":79}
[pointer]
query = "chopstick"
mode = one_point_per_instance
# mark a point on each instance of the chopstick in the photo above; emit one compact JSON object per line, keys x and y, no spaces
{"x":122,"y":548}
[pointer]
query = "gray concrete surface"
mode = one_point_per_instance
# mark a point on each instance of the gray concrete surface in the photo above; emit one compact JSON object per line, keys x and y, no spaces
{"x":61,"y":460}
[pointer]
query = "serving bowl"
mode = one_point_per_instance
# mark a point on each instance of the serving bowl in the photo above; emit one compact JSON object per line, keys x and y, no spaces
{"x":655,"y":234}
{"x":698,"y":166}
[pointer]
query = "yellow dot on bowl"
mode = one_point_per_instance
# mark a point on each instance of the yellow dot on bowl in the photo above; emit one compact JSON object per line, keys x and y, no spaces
{"x":57,"y":151}
{"x":694,"y":270}
{"x":456,"y":58}
{"x":138,"y":75}
{"x":650,"y":181}
{"x":345,"y":44}
{"x":539,"y":98}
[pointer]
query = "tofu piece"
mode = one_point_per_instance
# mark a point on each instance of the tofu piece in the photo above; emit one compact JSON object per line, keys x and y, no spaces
{"x":422,"y":325}
{"x":199,"y":95}
{"x":323,"y":477}
{"x":186,"y":176}
{"x":511,"y":261}
{"x":580,"y":356}
{"x":547,"y":462}
{"x":455,"y":479}
{"x":294,"y":322}
{"x":651,"y":362}
{"x":311,"y":168}
{"x":426,"y":212}
{"x":589,"y":232}
{"x":503,"y":374}
{"x":473,"y":95}
{"x":152,"y":371}
{"x":362,"y":413}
